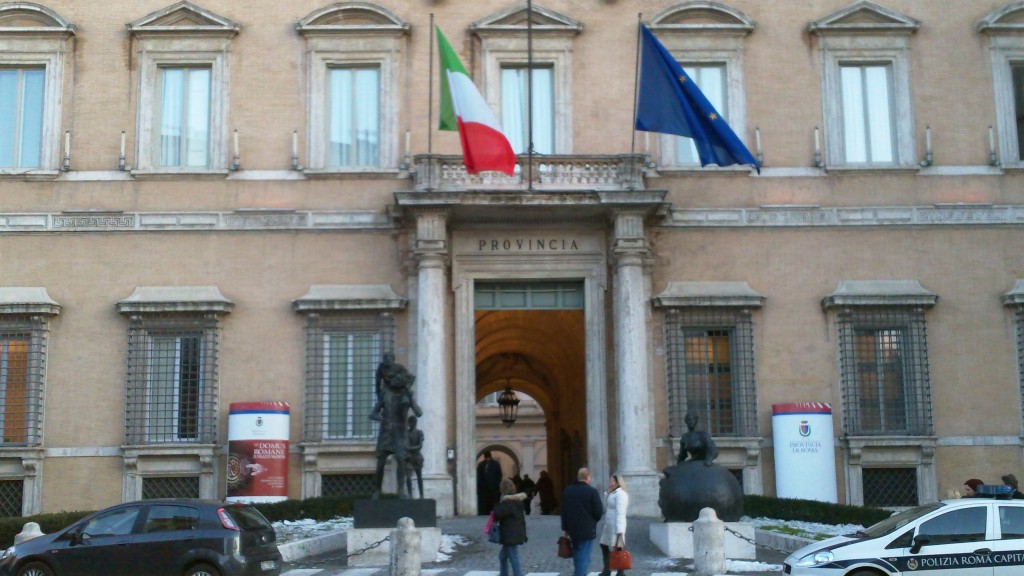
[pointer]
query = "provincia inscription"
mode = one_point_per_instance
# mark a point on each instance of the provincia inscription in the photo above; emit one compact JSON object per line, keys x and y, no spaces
{"x":528,"y":244}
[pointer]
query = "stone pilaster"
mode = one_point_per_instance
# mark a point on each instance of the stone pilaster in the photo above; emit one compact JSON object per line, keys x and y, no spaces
{"x":431,"y":252}
{"x":634,"y":402}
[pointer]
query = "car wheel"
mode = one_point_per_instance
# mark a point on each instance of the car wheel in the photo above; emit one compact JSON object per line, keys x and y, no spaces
{"x":35,"y":569}
{"x":202,"y":570}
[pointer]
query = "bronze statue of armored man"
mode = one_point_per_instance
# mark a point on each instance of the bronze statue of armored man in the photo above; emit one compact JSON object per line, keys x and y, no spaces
{"x":394,"y":400}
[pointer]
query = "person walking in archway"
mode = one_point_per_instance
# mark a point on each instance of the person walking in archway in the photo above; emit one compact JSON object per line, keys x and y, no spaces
{"x":488,"y":480}
{"x":546,"y":490}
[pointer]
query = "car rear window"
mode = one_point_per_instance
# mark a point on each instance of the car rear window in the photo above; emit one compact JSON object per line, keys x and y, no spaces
{"x":247,"y":517}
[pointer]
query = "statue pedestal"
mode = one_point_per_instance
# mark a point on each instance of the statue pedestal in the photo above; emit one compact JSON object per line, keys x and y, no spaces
{"x":675,"y":540}
{"x":359,"y":538}
{"x":385,"y":512}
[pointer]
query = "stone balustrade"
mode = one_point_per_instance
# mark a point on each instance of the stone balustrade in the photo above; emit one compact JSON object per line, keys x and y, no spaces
{"x":433,"y":172}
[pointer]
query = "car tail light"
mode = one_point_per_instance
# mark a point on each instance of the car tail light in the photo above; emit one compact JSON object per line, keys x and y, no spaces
{"x":226,"y":520}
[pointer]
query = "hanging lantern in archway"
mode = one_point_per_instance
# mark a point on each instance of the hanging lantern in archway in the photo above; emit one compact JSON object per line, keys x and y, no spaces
{"x":508,"y":405}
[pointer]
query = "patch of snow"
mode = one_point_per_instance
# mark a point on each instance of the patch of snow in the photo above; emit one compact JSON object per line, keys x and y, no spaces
{"x":293,"y":530}
{"x":748,"y":566}
{"x":449,"y":542}
{"x":810,"y":527}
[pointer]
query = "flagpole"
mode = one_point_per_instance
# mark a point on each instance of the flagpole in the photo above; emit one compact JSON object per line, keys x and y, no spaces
{"x":636,"y":88}
{"x":529,"y":94}
{"x":430,"y":107}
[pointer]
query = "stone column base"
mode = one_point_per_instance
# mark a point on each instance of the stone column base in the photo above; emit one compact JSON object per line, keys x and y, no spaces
{"x":359,"y":538}
{"x":439,"y":488}
{"x":638,"y":484}
{"x":675,"y":539}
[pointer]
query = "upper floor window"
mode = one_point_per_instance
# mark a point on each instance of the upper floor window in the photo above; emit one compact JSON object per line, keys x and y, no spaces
{"x":183,"y":55}
{"x":883,"y":357}
{"x":21,"y":117}
{"x":516,"y":86}
{"x":711,"y":81}
{"x":184,"y":117}
{"x":172,"y":364}
{"x":867,"y":114}
{"x":33,"y":46}
{"x":24,"y":334}
{"x":505,"y":64}
{"x":349,"y":329}
{"x":355,"y":62}
{"x":708,"y":41}
{"x":1006,"y":43}
{"x":354,"y":117}
{"x":710,"y":356}
{"x":866,"y":86}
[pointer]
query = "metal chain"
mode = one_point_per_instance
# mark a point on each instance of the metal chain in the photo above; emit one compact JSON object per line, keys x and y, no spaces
{"x":326,"y":559}
{"x":742,"y":537}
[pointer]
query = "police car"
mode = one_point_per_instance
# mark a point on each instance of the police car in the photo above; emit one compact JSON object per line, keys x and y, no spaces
{"x":966,"y":537}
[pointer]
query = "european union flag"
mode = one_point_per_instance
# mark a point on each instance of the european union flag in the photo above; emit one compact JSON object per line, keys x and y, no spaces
{"x":669,"y":102}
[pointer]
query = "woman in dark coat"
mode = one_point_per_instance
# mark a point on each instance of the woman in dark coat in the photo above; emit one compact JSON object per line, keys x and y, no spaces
{"x":508,"y":512}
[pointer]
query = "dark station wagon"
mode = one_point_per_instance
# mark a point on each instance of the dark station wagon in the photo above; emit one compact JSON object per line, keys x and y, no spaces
{"x":173,"y":537}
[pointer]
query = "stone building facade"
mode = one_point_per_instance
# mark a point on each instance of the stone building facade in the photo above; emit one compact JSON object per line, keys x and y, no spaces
{"x":216,"y":202}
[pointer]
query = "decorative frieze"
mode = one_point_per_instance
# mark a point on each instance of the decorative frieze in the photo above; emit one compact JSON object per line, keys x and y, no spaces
{"x":179,"y":221}
{"x":94,"y":222}
{"x":789,"y":216}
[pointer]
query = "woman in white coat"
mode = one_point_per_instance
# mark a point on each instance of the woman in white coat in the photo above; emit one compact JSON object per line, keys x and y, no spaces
{"x":613,"y":535}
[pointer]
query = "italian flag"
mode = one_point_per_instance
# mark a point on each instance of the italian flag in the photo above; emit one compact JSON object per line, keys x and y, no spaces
{"x":484,"y":146}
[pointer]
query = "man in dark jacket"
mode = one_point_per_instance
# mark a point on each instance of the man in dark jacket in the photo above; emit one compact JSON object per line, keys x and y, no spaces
{"x":488,"y":477}
{"x":581,"y":510}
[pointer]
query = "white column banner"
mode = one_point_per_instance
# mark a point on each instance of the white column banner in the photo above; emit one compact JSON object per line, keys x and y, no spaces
{"x":805,"y":452}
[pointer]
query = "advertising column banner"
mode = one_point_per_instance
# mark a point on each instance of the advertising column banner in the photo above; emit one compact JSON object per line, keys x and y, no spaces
{"x":257,"y":452}
{"x":805,"y":452}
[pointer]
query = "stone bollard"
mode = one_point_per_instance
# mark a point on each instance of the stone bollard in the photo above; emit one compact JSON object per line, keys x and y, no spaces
{"x":709,"y":544}
{"x":30,"y":531}
{"x":405,"y":549}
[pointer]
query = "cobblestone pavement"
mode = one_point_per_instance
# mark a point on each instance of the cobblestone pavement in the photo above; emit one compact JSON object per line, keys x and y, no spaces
{"x":538,"y":556}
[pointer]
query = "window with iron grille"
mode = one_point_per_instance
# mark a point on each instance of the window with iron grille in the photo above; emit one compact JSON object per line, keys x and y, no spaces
{"x":890,"y":486}
{"x":170,"y":487}
{"x":1019,"y":321}
{"x":342,"y":354}
{"x":886,"y":387}
{"x":711,"y":370}
{"x":12,"y":492}
{"x":172,"y":379}
{"x":340,"y":485}
{"x":22,"y":369}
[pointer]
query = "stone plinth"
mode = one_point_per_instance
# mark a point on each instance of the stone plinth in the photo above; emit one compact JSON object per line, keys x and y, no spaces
{"x":386,"y":512}
{"x":675,"y":540}
{"x":359,"y":538}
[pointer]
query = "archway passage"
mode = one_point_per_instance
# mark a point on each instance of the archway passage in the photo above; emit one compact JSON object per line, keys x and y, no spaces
{"x":540,"y":353}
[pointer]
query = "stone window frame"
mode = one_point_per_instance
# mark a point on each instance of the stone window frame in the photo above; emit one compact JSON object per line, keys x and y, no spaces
{"x":736,"y":300}
{"x":353,"y":34}
{"x":41,"y":45}
{"x":1014,"y":300}
{"x":148,"y":308}
{"x":327,"y":306}
{"x":861,"y":34}
{"x":703,"y":32}
{"x":503,"y":43}
{"x":1005,"y":31}
{"x":880,"y":450}
{"x":181,"y":35}
{"x":30,"y":310}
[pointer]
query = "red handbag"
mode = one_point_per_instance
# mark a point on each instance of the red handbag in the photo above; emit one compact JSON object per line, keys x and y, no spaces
{"x":564,"y":547}
{"x":620,"y":559}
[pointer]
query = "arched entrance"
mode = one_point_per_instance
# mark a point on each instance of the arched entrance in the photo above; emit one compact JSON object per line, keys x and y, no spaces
{"x":548,"y":348}
{"x":539,"y":353}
